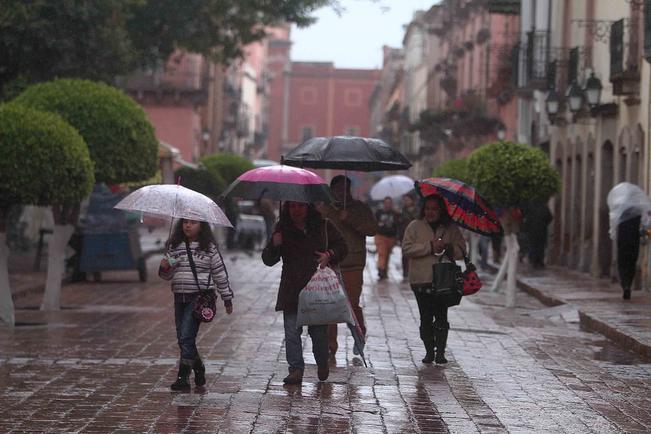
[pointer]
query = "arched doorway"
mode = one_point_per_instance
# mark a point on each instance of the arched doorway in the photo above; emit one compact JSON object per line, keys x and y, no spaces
{"x":604,"y":244}
{"x":590,"y":180}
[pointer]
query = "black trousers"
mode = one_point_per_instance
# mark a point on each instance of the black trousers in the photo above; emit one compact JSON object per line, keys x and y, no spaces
{"x":432,"y":316}
{"x":628,"y":248}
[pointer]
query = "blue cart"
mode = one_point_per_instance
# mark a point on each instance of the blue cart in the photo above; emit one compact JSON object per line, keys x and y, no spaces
{"x":108,"y":238}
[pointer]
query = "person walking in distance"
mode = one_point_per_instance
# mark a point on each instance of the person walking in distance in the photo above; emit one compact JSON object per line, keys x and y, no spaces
{"x":194,"y":238}
{"x":355,"y":221}
{"x":388,"y":220}
{"x":431,"y":238}
{"x":303,"y":240}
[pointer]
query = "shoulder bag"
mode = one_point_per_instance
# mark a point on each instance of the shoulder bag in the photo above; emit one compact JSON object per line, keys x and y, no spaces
{"x":205,"y":306}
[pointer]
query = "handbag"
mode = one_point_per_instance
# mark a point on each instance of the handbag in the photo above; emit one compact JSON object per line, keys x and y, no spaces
{"x":205,"y":305}
{"x":447,"y":283}
{"x":471,"y":281}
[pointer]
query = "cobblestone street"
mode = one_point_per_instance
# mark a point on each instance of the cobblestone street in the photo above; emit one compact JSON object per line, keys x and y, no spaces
{"x":105,"y":361}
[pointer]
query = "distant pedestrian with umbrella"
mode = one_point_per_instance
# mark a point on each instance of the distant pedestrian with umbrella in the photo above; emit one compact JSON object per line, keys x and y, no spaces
{"x":303,"y":240}
{"x":431,"y":238}
{"x":388,"y":221}
{"x":628,"y":205}
{"x":355,"y":221}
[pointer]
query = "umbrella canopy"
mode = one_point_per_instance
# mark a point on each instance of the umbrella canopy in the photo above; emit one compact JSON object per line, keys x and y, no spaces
{"x":175,"y":201}
{"x":346,"y":153}
{"x":392,"y":186}
{"x":280,"y":183}
{"x":466,"y":207}
{"x":626,"y":201}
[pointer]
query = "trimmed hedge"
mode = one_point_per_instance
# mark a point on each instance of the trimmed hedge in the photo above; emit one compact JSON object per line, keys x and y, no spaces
{"x":227,"y":165}
{"x":120,"y":139}
{"x":455,"y":169}
{"x":511,"y":174}
{"x":44,"y":160}
{"x":201,"y":180}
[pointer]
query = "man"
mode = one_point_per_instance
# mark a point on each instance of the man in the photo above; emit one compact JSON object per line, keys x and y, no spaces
{"x":355,"y":221}
{"x":388,"y":220}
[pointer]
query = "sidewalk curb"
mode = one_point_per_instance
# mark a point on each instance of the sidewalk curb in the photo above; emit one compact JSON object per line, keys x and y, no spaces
{"x":594,"y":324}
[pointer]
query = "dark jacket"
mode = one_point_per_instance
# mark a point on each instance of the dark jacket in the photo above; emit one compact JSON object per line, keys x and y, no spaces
{"x":359,"y":224}
{"x":387,"y":222}
{"x":299,"y":261}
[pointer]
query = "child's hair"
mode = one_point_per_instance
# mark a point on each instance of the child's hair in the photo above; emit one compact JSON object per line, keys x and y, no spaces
{"x":205,"y":238}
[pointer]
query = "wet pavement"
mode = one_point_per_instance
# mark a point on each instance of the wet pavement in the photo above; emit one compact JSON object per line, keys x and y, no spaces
{"x":105,"y":361}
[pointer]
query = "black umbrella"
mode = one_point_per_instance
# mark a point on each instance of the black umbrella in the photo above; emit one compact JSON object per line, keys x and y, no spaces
{"x":346,"y":153}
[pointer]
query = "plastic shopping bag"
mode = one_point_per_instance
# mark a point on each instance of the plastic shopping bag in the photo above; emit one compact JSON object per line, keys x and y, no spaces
{"x":323,"y":300}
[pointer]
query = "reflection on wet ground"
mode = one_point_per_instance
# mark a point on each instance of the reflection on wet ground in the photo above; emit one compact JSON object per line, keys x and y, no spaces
{"x":106,"y":366}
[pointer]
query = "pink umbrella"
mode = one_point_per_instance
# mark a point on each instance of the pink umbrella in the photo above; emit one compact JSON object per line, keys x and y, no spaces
{"x":280,"y":183}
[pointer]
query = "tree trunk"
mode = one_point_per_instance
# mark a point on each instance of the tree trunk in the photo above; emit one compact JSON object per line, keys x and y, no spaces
{"x":511,"y":227}
{"x":7,"y":315}
{"x":64,"y":219}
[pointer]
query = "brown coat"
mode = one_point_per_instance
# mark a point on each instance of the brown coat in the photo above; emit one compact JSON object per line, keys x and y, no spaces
{"x":299,"y":261}
{"x":417,"y":246}
{"x":358,"y":224}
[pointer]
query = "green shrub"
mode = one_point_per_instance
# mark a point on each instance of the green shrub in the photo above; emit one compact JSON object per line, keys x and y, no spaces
{"x":455,"y":169}
{"x":227,"y":165}
{"x":511,"y":174}
{"x":201,"y":180}
{"x":120,"y":139}
{"x":44,"y":160}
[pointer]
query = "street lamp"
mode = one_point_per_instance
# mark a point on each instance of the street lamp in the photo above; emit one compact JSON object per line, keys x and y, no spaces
{"x":552,"y":103}
{"x":593,"y":91}
{"x":575,"y":97}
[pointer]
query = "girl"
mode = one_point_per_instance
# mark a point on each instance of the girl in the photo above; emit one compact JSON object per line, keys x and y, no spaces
{"x":197,"y":238}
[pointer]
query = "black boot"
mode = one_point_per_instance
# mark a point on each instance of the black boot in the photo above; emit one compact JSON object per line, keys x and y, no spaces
{"x":182,"y":383}
{"x":199,"y":372}
{"x":441,"y":341}
{"x":428,"y":337}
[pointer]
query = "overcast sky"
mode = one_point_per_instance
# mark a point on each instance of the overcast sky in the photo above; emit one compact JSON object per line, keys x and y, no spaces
{"x":355,"y":39}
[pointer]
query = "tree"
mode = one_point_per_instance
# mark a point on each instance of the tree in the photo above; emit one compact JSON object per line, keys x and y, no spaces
{"x":99,"y":39}
{"x":201,"y":180}
{"x":44,"y":162}
{"x":455,"y":169}
{"x":511,"y":175}
{"x":121,"y":144}
{"x":227,"y":165}
{"x":120,"y":139}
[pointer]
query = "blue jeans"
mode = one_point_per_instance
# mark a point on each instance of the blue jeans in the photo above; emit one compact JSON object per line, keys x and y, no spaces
{"x":187,"y":327}
{"x":294,"y":346}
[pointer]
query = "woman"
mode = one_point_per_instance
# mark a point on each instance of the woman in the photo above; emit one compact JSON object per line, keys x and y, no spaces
{"x":303,"y":240}
{"x":431,"y":238}
{"x":195,"y":238}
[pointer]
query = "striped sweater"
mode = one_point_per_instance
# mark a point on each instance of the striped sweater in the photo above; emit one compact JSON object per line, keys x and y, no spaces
{"x":205,"y":262}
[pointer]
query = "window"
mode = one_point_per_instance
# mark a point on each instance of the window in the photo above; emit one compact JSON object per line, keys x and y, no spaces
{"x":353,"y":97}
{"x":617,"y":47}
{"x":351,"y":131}
{"x":308,"y":95}
{"x":307,"y":133}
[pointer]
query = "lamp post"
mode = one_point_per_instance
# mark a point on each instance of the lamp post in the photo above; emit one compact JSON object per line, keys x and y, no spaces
{"x":552,"y":103}
{"x":575,"y":97}
{"x":501,"y":132}
{"x":593,"y":93}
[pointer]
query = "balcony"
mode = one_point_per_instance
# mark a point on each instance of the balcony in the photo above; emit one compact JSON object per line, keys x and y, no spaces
{"x":624,"y":63}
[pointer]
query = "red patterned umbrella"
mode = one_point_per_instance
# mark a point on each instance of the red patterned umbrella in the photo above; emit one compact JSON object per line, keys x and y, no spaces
{"x":466,"y":207}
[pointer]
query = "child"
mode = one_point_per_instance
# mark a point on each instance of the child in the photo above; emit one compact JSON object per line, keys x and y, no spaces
{"x":211,"y":272}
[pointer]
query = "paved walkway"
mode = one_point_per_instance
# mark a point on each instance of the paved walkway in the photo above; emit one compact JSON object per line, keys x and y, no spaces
{"x":105,"y":361}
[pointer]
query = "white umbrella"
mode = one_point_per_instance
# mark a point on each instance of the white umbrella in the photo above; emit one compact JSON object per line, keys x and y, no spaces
{"x":392,"y":186}
{"x":626,"y":201}
{"x":174,"y":201}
